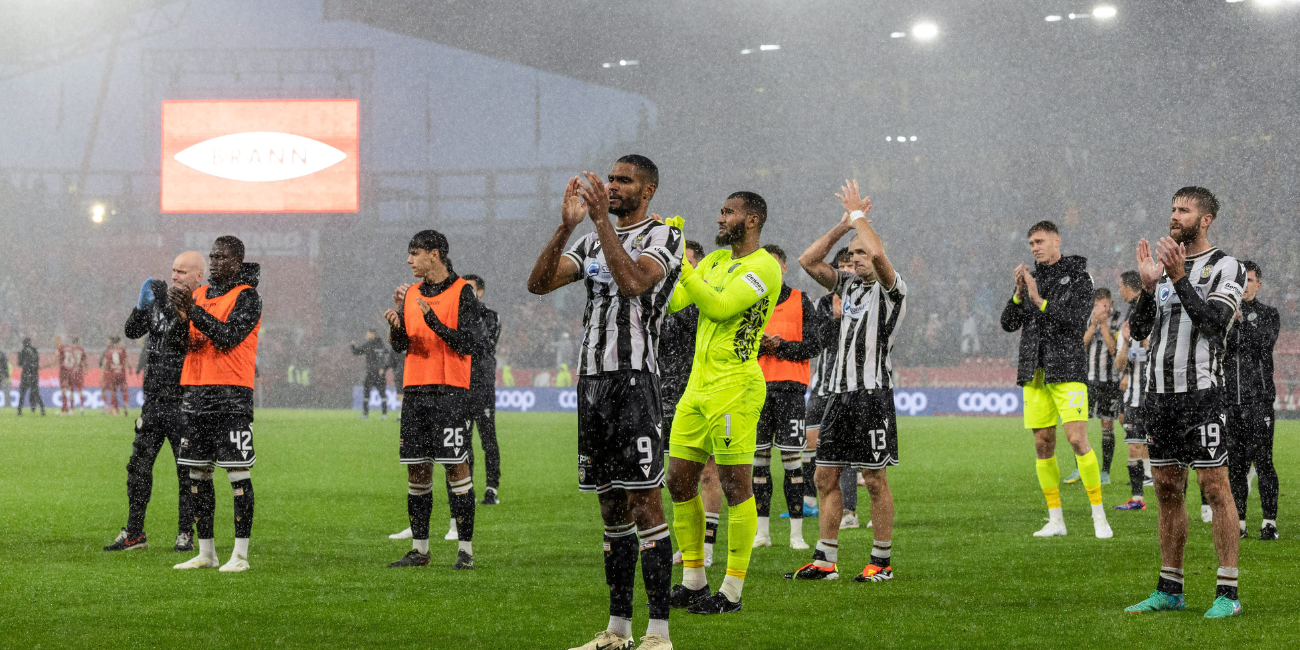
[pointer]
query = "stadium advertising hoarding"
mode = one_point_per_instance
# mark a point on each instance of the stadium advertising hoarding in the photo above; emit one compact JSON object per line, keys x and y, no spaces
{"x":260,"y":155}
{"x":907,"y":401}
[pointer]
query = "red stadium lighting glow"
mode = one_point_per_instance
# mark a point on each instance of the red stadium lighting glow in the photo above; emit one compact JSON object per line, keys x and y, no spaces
{"x":260,"y":156}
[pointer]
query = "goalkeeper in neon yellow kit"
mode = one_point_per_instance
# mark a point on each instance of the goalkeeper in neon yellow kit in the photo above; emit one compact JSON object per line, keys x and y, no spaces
{"x":736,"y":291}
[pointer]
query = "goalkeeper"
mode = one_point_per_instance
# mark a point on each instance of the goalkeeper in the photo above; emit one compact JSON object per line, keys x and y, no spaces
{"x":735,"y":291}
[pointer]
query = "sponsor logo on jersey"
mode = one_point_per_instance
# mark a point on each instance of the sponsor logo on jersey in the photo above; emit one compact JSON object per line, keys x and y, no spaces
{"x":1165,"y":291}
{"x":598,"y":271}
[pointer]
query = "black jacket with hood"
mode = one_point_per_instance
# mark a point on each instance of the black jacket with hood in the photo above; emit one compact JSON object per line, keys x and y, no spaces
{"x":1052,"y":338}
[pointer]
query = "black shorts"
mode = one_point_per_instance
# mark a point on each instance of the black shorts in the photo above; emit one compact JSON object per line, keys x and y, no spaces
{"x":1105,"y":400}
{"x":1186,"y":429}
{"x":814,"y":411}
{"x":1135,"y":432}
{"x":222,"y":440}
{"x":435,"y":427}
{"x":620,"y":444}
{"x":859,"y":430}
{"x":782,"y":421}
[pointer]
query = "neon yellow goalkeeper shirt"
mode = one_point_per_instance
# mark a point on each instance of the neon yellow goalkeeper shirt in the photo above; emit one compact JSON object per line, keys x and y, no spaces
{"x":736,"y":298}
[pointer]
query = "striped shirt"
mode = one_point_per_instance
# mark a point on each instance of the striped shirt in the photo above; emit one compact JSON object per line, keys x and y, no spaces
{"x":622,"y":333}
{"x":1101,"y":363}
{"x":866,"y":336}
{"x":825,"y":360}
{"x":1136,"y":373}
{"x":1181,"y":359}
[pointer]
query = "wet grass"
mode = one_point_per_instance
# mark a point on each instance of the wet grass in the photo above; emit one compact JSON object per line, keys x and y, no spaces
{"x":329,"y":490}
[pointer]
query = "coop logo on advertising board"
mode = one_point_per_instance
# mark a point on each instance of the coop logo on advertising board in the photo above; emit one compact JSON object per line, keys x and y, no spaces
{"x":910,"y":403}
{"x":260,"y":156}
{"x":519,"y":399}
{"x":1000,"y":403}
{"x":568,"y":399}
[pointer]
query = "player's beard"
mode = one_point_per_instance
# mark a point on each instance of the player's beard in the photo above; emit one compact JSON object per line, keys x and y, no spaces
{"x":626,"y":205}
{"x":733,"y":235}
{"x":1186,"y":234}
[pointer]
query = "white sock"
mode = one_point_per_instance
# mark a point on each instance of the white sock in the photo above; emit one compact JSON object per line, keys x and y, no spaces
{"x":241,"y":548}
{"x":466,"y":546}
{"x":694,"y":578}
{"x":810,"y":502}
{"x":831,"y":549}
{"x":1266,"y":522}
{"x":796,"y":528}
{"x":1241,"y":523}
{"x":620,"y":626}
{"x":208,"y":548}
{"x":1099,"y":512}
{"x":763,"y":526}
{"x":731,"y":587}
{"x":421,"y":545}
{"x":1146,"y":467}
{"x":708,"y":550}
{"x":1054,"y":515}
{"x":1139,"y":497}
{"x":658,"y":626}
{"x":453,"y":524}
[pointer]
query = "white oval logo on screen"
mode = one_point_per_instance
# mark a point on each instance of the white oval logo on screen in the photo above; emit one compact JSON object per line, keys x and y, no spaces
{"x":260,"y":156}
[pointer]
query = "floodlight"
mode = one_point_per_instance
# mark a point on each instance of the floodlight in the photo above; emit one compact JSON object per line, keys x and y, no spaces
{"x":1104,"y":11}
{"x":925,"y":31}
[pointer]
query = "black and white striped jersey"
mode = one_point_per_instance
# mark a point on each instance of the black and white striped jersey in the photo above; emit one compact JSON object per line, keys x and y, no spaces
{"x":1136,"y":373}
{"x":622,"y":333}
{"x":1182,"y":357}
{"x":825,"y":360}
{"x":1101,"y":363}
{"x":871,"y":314}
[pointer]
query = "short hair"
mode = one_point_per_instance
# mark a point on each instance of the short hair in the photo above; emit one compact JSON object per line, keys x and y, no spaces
{"x":1203,"y":197}
{"x":1131,"y":279}
{"x":1043,"y":226}
{"x":841,"y":256}
{"x":479,"y":284}
{"x":645,"y":165}
{"x":1251,"y":266}
{"x":27,"y":340}
{"x":753,"y":203}
{"x":692,"y":245}
{"x":432,"y":240}
{"x":775,"y":251}
{"x":1102,"y":293}
{"x":231,"y":242}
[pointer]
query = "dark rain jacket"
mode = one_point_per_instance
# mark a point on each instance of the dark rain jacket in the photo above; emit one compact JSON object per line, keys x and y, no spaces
{"x":165,"y":352}
{"x":29,"y":361}
{"x":1052,"y":338}
{"x":376,"y":354}
{"x":483,"y":363}
{"x":1248,"y":358}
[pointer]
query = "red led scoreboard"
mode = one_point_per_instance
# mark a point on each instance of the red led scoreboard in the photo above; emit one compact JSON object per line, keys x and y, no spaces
{"x":260,"y":156}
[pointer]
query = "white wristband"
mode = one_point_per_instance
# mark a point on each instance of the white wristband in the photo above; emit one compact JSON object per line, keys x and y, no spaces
{"x":855,"y":215}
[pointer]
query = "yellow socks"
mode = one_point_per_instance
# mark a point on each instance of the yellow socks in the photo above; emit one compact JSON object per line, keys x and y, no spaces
{"x":1049,"y":477}
{"x":742,"y":526}
{"x":688,"y":523}
{"x":1090,"y":474}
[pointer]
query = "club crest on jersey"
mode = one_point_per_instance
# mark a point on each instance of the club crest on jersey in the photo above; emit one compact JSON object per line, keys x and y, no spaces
{"x":1206,"y":271}
{"x":1252,"y":316}
{"x":733,"y":267}
{"x":1065,"y":280}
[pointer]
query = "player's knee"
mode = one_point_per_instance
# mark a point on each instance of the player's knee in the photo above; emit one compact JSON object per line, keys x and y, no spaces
{"x":827,"y":479}
{"x":875,"y":480}
{"x":200,"y":475}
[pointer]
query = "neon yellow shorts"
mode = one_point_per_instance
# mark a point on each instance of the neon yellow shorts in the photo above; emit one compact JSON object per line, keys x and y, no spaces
{"x":722,"y":424}
{"x":1045,"y":403}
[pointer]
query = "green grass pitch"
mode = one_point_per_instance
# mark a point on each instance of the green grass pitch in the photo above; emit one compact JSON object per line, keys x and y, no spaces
{"x":329,"y":491}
